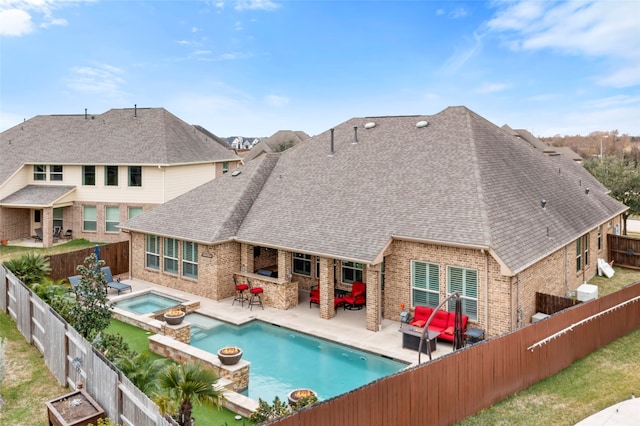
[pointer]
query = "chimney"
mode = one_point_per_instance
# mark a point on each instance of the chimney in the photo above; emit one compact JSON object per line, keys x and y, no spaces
{"x":355,"y":135}
{"x":332,"y":151}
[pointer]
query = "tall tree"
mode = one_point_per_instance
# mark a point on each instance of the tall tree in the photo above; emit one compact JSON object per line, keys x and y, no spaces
{"x":92,"y":313}
{"x":622,"y":177}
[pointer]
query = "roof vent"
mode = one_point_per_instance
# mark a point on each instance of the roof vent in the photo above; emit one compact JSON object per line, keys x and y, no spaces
{"x":421,"y":124}
{"x":332,"y":150}
{"x":543,"y":204}
{"x":586,"y":191}
{"x":370,"y":125}
{"x":355,"y":135}
{"x":236,"y":172}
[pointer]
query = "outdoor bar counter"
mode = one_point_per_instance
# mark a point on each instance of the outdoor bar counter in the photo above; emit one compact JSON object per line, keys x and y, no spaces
{"x":278,"y":293}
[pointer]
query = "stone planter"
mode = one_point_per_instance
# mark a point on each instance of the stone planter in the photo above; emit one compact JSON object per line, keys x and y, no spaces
{"x":229,"y":355}
{"x":298,"y":394}
{"x":174,"y":317}
{"x":74,"y":409}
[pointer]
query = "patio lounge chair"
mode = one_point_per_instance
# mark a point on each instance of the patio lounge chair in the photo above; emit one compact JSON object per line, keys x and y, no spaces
{"x":57,"y":230}
{"x":116,"y":285}
{"x":68,"y":234}
{"x":38,"y":236}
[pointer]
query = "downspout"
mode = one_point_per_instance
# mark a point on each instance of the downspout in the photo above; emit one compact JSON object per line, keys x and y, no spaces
{"x":486,"y":289}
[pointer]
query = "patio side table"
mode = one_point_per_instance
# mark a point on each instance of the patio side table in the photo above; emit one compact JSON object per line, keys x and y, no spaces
{"x":474,"y":335}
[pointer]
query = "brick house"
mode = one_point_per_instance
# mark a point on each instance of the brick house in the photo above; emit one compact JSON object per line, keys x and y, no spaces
{"x":414,"y":206}
{"x":88,"y":173}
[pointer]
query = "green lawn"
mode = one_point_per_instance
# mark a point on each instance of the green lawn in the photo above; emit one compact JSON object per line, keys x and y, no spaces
{"x":137,"y":339}
{"x":9,"y":252}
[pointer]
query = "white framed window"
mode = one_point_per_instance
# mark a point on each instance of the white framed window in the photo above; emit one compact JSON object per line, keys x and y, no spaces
{"x":135,"y":176}
{"x":465,"y":282}
{"x":225,"y":167}
{"x":133,"y":212}
{"x":110,"y":175}
{"x":153,"y":252}
{"x":582,"y":252}
{"x":425,"y":284}
{"x":190,"y":259}
{"x":351,"y":272}
{"x":39,"y":172}
{"x":302,"y":264}
{"x":599,"y":237}
{"x":55,"y":173}
{"x":112,"y":218}
{"x":89,"y":218}
{"x":89,"y":175}
{"x":170,"y":257}
{"x":57,"y":217}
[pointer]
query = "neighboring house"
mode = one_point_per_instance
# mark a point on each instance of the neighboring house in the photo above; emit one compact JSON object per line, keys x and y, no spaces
{"x":417,"y":207}
{"x":278,"y":142}
{"x":541,"y":146}
{"x":88,"y":173}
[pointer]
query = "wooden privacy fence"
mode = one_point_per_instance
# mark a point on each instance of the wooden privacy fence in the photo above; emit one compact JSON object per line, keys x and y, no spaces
{"x":550,"y":304}
{"x":624,"y":251}
{"x":71,"y":358}
{"x":453,"y":387}
{"x":115,"y":255}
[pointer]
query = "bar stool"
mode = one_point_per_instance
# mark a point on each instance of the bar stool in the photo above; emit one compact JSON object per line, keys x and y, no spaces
{"x":240,"y":289}
{"x":256,"y":298}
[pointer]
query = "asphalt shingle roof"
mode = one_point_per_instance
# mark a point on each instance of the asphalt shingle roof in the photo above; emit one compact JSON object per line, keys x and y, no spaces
{"x":272,"y":143}
{"x":461,"y":180}
{"x":37,"y":195}
{"x":141,"y":136}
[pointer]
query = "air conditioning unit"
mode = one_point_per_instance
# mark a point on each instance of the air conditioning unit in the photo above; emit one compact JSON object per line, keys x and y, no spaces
{"x":539,"y":316}
{"x":587,"y":292}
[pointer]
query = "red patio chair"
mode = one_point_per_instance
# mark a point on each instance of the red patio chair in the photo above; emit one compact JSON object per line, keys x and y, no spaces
{"x":357,"y":298}
{"x":256,"y":296}
{"x":240,"y":289}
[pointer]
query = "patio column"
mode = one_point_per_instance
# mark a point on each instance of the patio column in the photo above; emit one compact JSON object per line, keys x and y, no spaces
{"x":327,"y":310}
{"x":246,"y":257}
{"x":285,"y":260}
{"x":374,"y":297}
{"x":47,"y":227}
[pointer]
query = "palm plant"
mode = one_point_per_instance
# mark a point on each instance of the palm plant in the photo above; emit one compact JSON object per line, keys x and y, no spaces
{"x":185,"y":384}
{"x":29,"y":268}
{"x":143,"y":371}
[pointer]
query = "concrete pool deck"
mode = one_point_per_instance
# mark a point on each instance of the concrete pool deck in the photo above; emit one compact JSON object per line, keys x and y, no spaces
{"x":347,"y":327}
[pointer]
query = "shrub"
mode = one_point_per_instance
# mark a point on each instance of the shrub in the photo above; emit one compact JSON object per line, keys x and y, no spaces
{"x":29,"y":268}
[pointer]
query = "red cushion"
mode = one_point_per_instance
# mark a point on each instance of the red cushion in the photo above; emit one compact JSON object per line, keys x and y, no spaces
{"x":422,"y":313}
{"x":256,"y":290}
{"x":440,"y":320}
{"x":419,"y":323}
{"x":241,"y":287}
{"x":449,"y":330}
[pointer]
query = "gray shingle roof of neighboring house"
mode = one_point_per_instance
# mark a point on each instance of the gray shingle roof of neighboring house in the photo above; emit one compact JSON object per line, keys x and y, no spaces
{"x":36,"y":195}
{"x":459,"y":181}
{"x":273,"y":142}
{"x":140,"y":136}
{"x":210,"y":213}
{"x":541,"y":146}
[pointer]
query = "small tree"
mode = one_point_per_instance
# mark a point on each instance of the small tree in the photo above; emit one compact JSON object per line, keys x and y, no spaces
{"x":185,"y":384}
{"x":92,"y":313}
{"x":143,"y":371}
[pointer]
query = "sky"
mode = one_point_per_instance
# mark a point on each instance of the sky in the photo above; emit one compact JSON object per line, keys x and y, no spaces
{"x":253,"y":67}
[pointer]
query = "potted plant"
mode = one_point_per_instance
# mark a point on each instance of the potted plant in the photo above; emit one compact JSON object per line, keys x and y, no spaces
{"x":174,"y":316}
{"x":76,"y":408}
{"x":301,"y":397}
{"x":229,"y":355}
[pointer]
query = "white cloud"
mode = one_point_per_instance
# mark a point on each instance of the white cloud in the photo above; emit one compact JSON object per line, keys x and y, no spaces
{"x":238,"y":26}
{"x":492,"y":88}
{"x":99,"y":79}
{"x":598,"y":29}
{"x":459,"y":12}
{"x":276,"y":101}
{"x":15,"y":22}
{"x":233,"y":56}
{"x":461,"y":56}
{"x":256,"y":5}
{"x":17,"y":16}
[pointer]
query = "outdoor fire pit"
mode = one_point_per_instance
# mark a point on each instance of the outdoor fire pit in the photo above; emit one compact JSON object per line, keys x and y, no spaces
{"x":74,"y":409}
{"x":296,"y":395}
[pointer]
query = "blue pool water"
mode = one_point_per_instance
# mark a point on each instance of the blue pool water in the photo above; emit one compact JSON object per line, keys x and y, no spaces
{"x":283,"y":360}
{"x":147,"y":303}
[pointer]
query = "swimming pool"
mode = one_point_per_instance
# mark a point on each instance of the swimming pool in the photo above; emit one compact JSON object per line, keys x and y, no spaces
{"x":283,"y":360}
{"x":147,"y":303}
